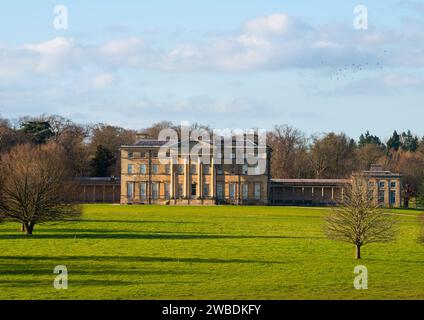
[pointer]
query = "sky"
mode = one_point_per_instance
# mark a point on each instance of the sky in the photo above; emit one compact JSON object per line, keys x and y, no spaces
{"x":231,"y":64}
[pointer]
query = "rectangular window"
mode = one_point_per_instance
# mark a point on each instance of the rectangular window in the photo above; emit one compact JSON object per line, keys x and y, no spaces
{"x":130,"y":155}
{"x":180,"y":169}
{"x":155,"y":169}
{"x":143,"y":190}
{"x":206,"y":190}
{"x":143,"y":169}
{"x":392,"y":197}
{"x":233,"y":169}
{"x":220,"y":191}
{"x":193,"y":190}
{"x":193,"y":169}
{"x":130,"y":190}
{"x":257,"y":191}
{"x":155,"y":190}
{"x":154,"y":154}
{"x":206,"y":169}
{"x":245,"y":169}
{"x":245,"y":190}
{"x":393,"y":184}
{"x":142,"y":154}
{"x":371,"y":184}
{"x":180,"y":190}
{"x":167,"y":169}
{"x":232,"y":191}
{"x":381,"y":184}
{"x":219,"y":168}
{"x":381,"y":197}
{"x":167,"y":193}
{"x":130,"y":169}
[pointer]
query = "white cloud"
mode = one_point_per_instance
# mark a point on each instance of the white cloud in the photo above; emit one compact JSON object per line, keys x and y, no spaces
{"x":55,"y":55}
{"x":273,"y":24}
{"x":273,"y":42}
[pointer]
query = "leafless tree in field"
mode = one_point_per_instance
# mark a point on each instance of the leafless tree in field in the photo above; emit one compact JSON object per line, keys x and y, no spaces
{"x":35,"y":186}
{"x":359,"y":220}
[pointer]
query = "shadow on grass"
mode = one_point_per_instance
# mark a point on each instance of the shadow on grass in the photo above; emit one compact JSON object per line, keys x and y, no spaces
{"x":134,"y":221}
{"x":107,"y":234}
{"x":70,"y":232}
{"x":73,"y":283}
{"x":9,"y":269}
{"x":394,"y":261}
{"x":64,"y":259}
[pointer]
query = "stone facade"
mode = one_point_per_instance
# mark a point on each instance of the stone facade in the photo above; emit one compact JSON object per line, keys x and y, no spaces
{"x":199,"y":184}
{"x":383,"y":186}
{"x":145,"y":180}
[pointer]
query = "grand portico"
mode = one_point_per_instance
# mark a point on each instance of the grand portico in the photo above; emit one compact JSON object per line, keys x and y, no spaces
{"x":187,"y":181}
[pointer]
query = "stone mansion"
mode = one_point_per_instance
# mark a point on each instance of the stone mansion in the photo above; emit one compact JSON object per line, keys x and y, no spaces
{"x":145,"y":180}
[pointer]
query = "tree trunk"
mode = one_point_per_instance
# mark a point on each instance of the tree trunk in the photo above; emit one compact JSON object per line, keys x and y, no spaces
{"x":358,"y":252}
{"x":23,"y":227}
{"x":29,"y":227}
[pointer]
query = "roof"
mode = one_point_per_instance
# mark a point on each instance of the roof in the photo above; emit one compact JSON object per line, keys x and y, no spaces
{"x":374,"y":173}
{"x":311,"y":182}
{"x":152,"y":143}
{"x":147,"y":143}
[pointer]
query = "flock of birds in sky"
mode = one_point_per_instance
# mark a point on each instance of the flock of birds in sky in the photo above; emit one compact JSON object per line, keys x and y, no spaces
{"x":350,"y":71}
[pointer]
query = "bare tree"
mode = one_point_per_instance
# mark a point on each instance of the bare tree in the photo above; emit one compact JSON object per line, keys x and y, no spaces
{"x":332,"y":155}
{"x":35,"y":186}
{"x":358,"y":220}
{"x":289,"y":156}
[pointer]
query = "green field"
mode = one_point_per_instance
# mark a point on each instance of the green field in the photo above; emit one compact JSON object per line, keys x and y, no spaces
{"x":153,"y":252}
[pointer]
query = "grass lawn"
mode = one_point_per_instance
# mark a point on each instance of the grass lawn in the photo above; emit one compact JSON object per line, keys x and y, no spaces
{"x":154,"y":252}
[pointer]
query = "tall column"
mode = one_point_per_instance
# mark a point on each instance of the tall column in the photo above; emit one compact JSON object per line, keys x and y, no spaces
{"x":199,"y":178}
{"x":376,"y":188}
{"x":186,"y":178}
{"x":171,"y":185}
{"x":239,"y":191}
{"x":213,"y":178}
{"x":332,"y":193}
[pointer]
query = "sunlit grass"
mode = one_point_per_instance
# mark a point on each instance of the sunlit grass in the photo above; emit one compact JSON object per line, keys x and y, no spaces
{"x":155,"y":252}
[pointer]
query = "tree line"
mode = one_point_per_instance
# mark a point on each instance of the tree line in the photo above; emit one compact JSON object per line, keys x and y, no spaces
{"x":93,"y":149}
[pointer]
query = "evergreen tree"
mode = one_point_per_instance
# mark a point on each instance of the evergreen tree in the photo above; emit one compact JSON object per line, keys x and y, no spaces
{"x":369,"y":139}
{"x":38,"y":131}
{"x":394,"y":142}
{"x":409,"y":142}
{"x":102,"y":162}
